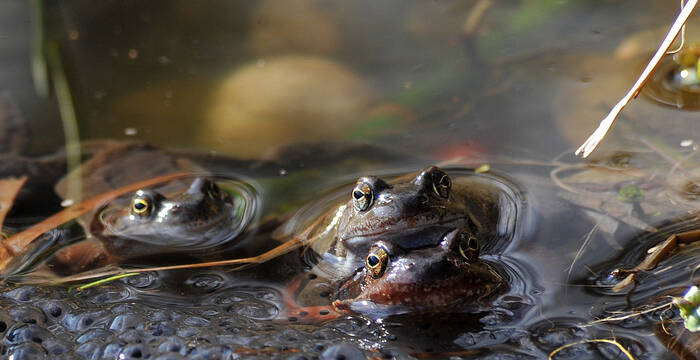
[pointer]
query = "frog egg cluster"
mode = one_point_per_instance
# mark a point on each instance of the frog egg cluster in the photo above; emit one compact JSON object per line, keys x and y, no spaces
{"x":122,"y":321}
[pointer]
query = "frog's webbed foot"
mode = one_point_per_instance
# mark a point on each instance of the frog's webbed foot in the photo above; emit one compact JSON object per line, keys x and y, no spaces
{"x":654,"y":256}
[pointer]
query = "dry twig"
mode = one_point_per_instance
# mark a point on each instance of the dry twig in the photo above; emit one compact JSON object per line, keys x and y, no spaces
{"x":614,"y":342}
{"x":594,"y":140}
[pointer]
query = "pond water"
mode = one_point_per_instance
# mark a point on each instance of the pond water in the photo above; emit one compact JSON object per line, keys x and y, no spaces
{"x":296,"y":100}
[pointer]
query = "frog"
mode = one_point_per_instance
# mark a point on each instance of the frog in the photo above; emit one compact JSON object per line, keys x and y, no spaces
{"x":414,"y":243}
{"x":191,"y":214}
{"x":445,"y":276}
{"x":193,"y":220}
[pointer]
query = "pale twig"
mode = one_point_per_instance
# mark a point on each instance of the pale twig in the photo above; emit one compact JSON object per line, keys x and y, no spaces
{"x":471,"y":24}
{"x":680,"y":46}
{"x":580,"y":251}
{"x":628,"y":315}
{"x":608,"y":341}
{"x":594,"y":140}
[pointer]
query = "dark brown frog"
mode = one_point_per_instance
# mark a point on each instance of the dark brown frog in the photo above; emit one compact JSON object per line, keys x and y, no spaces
{"x":413,"y":243}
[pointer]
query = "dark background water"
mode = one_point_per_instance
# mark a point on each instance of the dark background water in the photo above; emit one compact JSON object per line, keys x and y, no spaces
{"x":406,"y":72}
{"x":529,"y":80}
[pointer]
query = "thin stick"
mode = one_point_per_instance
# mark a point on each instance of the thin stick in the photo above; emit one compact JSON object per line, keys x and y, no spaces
{"x":104,"y":281}
{"x":476,"y":14}
{"x":614,"y":342}
{"x":624,"y":316}
{"x":680,"y":46}
{"x":580,"y":251}
{"x":280,"y":250}
{"x":294,"y":243}
{"x":66,"y":108}
{"x":594,"y":140}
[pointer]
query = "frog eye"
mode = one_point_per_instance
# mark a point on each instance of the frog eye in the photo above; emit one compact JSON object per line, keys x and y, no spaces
{"x":362,"y":196}
{"x":441,"y":183}
{"x":377,"y":261}
{"x":468,"y":246}
{"x":141,"y":205}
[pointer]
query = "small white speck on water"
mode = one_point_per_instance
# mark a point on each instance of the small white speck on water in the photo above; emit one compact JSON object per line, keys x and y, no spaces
{"x":67,"y":203}
{"x":130,"y":131}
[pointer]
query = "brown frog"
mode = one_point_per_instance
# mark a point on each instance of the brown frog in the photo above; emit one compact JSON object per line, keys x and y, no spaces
{"x":187,"y":215}
{"x":198,"y":218}
{"x":445,"y":276}
{"x":414,"y":243}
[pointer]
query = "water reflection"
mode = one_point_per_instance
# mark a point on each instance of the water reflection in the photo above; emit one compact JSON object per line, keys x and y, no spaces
{"x":675,"y":82}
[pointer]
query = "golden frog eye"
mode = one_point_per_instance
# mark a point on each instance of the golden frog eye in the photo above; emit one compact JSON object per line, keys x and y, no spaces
{"x":377,"y":261}
{"x":141,"y":205}
{"x":362,"y":196}
{"x":441,"y":184}
{"x":468,"y":246}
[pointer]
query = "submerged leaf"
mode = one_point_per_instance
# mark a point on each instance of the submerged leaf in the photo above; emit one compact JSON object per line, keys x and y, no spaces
{"x":631,"y":193}
{"x":482,"y":169}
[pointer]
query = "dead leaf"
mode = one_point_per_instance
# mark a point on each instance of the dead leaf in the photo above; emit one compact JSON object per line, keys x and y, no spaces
{"x":9,"y":188}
